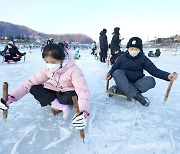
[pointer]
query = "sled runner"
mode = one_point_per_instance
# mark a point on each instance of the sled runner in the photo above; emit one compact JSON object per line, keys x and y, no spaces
{"x":55,"y":111}
{"x":14,"y":59}
{"x":112,"y":91}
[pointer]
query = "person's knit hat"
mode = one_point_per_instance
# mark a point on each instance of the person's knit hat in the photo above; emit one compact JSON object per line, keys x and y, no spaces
{"x":10,"y":43}
{"x":135,"y":42}
{"x":116,"y":30}
{"x":104,"y":30}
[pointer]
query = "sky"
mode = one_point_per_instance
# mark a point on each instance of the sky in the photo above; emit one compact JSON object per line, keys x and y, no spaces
{"x":146,"y":19}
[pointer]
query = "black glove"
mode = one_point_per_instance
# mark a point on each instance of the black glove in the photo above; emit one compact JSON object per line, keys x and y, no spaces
{"x":24,"y":54}
{"x":3,"y":105}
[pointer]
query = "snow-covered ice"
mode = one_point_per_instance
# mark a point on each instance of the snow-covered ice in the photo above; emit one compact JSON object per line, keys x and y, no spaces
{"x":116,"y":126}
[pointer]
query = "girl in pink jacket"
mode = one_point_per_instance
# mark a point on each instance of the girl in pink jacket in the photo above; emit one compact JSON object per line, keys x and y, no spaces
{"x":55,"y":85}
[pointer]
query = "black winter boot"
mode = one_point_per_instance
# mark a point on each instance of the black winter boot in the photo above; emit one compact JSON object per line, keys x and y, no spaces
{"x":116,"y":90}
{"x":141,"y":99}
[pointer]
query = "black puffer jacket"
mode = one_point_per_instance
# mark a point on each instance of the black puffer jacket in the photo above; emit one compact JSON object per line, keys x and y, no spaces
{"x":115,"y":41}
{"x":12,"y":51}
{"x":134,"y":66}
{"x":103,"y":40}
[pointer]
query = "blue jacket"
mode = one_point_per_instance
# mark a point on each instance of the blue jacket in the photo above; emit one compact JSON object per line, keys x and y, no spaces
{"x":134,"y":66}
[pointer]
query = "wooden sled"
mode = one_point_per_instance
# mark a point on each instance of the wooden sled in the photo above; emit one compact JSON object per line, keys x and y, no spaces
{"x":110,"y":92}
{"x":14,"y":59}
{"x":55,"y":111}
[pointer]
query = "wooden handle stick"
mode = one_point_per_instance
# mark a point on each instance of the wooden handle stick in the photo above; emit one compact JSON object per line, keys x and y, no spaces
{"x":25,"y":57}
{"x":5,"y":97}
{"x":77,"y":111}
{"x":107,"y":85}
{"x":168,"y":90}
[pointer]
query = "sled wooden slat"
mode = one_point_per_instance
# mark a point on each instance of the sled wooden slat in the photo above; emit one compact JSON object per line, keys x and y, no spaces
{"x":110,"y":93}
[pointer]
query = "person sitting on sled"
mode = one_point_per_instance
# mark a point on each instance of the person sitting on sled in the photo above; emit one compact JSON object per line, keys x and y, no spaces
{"x":56,"y":84}
{"x":11,"y":52}
{"x":128,"y":74}
{"x":76,"y":53}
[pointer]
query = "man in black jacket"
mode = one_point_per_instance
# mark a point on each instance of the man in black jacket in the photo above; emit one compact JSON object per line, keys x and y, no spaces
{"x":115,"y":45}
{"x":128,"y":74}
{"x":103,"y":45}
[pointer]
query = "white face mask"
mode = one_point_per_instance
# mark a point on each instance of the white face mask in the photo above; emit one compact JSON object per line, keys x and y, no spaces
{"x":133,"y":53}
{"x":9,"y":46}
{"x":53,"y":67}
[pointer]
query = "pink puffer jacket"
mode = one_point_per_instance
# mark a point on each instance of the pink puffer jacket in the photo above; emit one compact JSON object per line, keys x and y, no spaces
{"x":68,"y":78}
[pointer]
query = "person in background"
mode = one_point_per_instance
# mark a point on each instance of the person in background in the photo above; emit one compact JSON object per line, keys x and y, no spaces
{"x":76,"y":53}
{"x":66,"y":45}
{"x":94,"y":47}
{"x":43,"y":45}
{"x":103,"y":45}
{"x":115,"y":45}
{"x":52,"y":40}
{"x":11,"y":53}
{"x":49,"y":42}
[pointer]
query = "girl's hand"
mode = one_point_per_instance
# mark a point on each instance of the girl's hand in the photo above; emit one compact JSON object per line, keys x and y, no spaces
{"x":116,"y":52}
{"x":9,"y":100}
{"x":79,"y":122}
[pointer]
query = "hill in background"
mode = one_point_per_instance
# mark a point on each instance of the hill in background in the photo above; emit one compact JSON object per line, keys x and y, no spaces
{"x":16,"y":31}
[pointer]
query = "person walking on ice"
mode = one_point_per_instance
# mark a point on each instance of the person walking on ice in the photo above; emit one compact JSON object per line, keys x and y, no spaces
{"x":127,"y":72}
{"x":55,"y":85}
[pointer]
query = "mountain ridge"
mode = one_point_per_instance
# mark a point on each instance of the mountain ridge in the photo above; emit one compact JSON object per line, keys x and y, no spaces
{"x":12,"y":30}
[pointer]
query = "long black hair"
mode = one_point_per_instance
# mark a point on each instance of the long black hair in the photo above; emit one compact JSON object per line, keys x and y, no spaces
{"x":56,"y":51}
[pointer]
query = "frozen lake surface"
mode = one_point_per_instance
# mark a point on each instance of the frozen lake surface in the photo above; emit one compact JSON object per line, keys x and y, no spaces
{"x":116,"y":126}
